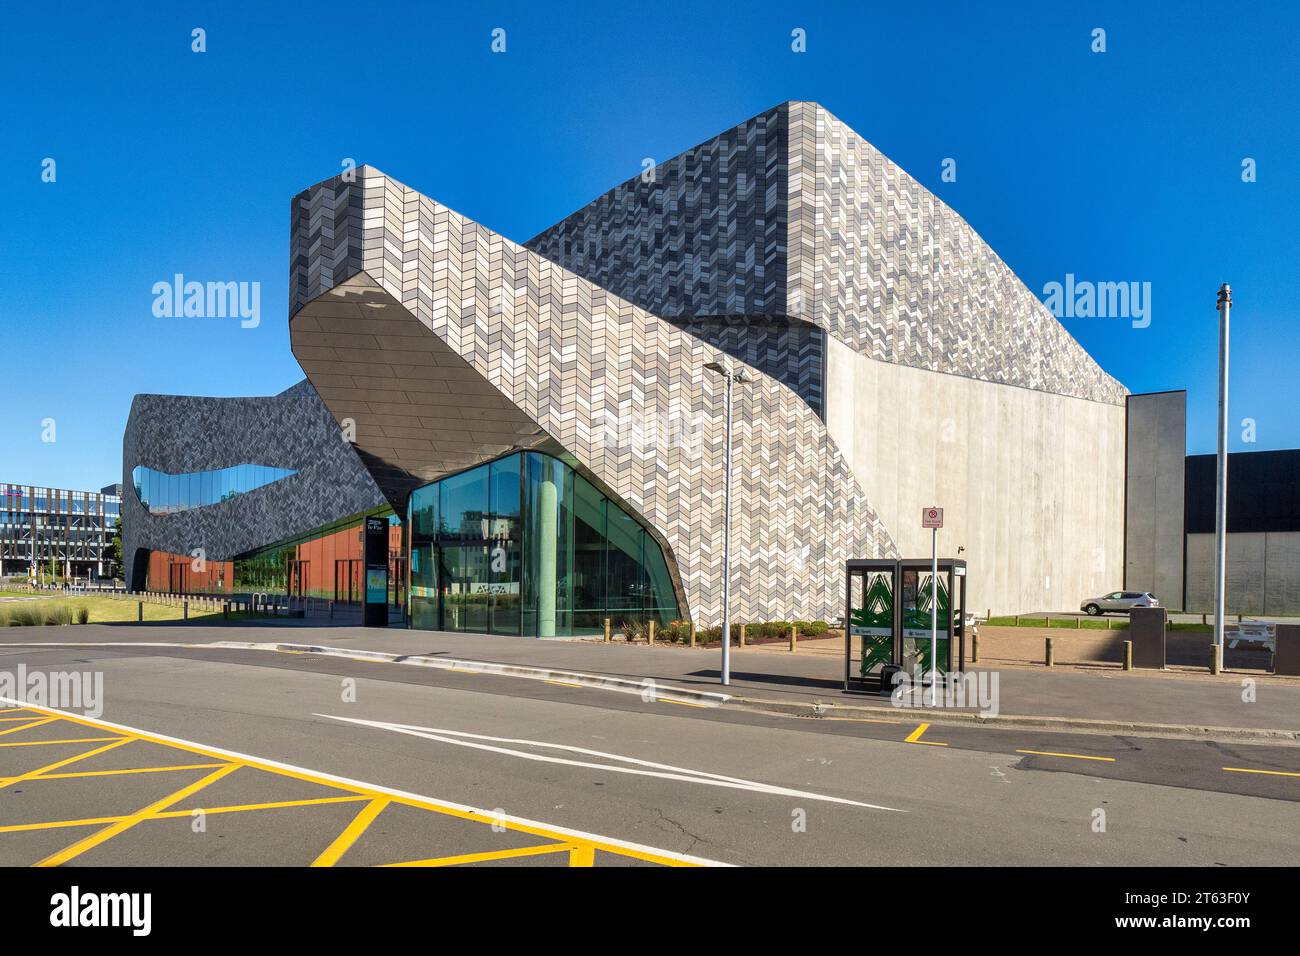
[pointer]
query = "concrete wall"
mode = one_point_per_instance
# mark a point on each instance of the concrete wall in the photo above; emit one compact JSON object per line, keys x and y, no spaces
{"x":1263,"y":573}
{"x":1157,"y":449}
{"x":1032,"y":482}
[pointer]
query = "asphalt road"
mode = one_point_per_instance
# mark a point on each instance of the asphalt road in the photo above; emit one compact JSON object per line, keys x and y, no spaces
{"x":596,"y":777}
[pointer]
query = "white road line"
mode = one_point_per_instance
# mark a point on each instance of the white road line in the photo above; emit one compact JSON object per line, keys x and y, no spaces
{"x":379,"y":788}
{"x":463,"y":739}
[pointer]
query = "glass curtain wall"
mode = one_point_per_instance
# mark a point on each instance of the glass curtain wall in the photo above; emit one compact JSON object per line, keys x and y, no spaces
{"x":526,"y":545}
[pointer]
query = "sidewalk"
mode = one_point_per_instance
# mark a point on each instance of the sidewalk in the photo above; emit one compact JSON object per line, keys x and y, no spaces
{"x":794,"y":681}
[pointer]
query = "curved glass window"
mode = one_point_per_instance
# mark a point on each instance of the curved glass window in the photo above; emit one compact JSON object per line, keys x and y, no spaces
{"x":163,"y":494}
{"x":526,"y":545}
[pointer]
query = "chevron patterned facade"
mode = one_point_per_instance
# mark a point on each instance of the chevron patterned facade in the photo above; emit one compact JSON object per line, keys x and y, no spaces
{"x":180,"y":434}
{"x":621,"y":390}
{"x":793,"y":215}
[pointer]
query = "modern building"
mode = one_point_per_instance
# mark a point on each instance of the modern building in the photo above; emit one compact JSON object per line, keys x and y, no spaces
{"x":539,"y":421}
{"x":1171,"y":510}
{"x":245,"y":495}
{"x":55,"y":533}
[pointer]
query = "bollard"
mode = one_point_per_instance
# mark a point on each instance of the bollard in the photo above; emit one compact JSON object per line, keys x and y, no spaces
{"x":225,"y":611}
{"x":1017,"y":620}
{"x":741,"y":639}
{"x":142,"y":611}
{"x":185,"y":611}
{"x":1128,"y":655}
{"x":975,"y":648}
{"x":1216,"y":660}
{"x":1078,"y":623}
{"x":608,"y":630}
{"x":794,"y":637}
{"x":650,"y":632}
{"x":692,"y":633}
{"x":1051,"y":662}
{"x":1204,"y":623}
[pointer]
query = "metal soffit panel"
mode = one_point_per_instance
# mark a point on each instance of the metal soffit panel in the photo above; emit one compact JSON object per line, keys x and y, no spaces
{"x":418,"y":410}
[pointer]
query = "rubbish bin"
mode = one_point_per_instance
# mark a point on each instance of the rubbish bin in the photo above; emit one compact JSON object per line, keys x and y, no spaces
{"x":1147,"y":627}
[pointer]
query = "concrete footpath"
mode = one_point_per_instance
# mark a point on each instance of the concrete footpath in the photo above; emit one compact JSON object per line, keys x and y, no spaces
{"x":1111,"y":701}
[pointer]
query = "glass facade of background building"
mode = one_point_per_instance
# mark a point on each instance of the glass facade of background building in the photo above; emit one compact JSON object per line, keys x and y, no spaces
{"x":526,"y":545}
{"x":52,"y":533}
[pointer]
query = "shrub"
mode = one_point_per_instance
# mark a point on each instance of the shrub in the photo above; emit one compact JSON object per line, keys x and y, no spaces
{"x":58,"y":614}
{"x":83,"y":614}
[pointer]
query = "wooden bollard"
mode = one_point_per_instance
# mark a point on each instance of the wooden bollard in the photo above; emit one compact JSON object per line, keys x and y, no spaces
{"x":794,"y":637}
{"x":608,"y":631}
{"x":741,"y":642}
{"x":1128,"y":655}
{"x":650,"y":631}
{"x":1051,"y":662}
{"x":185,"y":612}
{"x":692,"y":633}
{"x":225,"y":611}
{"x":975,"y":648}
{"x":142,"y":612}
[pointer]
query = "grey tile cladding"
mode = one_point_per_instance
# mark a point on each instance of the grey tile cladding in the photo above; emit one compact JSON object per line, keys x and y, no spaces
{"x":793,"y":214}
{"x":182,"y":434}
{"x":623,"y":390}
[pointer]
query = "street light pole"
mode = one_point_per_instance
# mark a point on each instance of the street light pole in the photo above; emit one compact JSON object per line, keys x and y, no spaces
{"x":1221,"y":481}
{"x":731,"y":377}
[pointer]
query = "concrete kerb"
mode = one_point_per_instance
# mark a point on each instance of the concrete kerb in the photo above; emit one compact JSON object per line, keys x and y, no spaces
{"x":646,"y":687}
{"x":826,"y":710}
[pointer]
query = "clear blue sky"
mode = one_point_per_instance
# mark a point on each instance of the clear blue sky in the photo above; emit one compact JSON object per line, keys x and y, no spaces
{"x":1122,"y":166}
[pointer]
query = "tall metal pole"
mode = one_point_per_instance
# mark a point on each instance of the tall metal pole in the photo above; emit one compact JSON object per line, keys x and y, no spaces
{"x":1221,"y":483}
{"x":726,"y":547}
{"x":934,"y":617}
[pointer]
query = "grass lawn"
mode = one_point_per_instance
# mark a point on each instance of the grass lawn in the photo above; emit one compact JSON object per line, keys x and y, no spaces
{"x":103,"y":609}
{"x":1114,"y":623}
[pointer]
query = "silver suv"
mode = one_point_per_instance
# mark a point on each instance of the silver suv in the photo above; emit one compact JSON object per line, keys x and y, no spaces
{"x":1118,"y":601}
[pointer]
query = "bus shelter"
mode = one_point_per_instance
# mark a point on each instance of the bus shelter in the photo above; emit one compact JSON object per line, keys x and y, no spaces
{"x":887,"y":618}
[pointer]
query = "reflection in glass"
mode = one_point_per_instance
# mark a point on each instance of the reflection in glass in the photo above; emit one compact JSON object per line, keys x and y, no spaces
{"x":161,"y":493}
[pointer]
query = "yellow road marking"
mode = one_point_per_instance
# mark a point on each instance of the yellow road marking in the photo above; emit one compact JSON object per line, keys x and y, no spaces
{"x":1275,"y":773}
{"x":915,"y":737}
{"x":30,"y":723}
{"x":95,"y":839}
{"x":276,"y":805}
{"x":112,"y":773}
{"x":64,"y":762}
{"x":680,"y":703}
{"x":58,"y":824}
{"x":70,"y":740}
{"x":582,"y":854}
{"x":173,"y":814}
{"x":561,"y":683}
{"x":360,"y":791}
{"x":492,"y":855}
{"x":1050,"y":753}
{"x":464,"y":670}
{"x":349,"y":836}
{"x":12,"y":719}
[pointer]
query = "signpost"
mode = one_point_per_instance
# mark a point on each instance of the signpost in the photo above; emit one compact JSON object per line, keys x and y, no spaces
{"x":375,"y":586}
{"x":932,"y":518}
